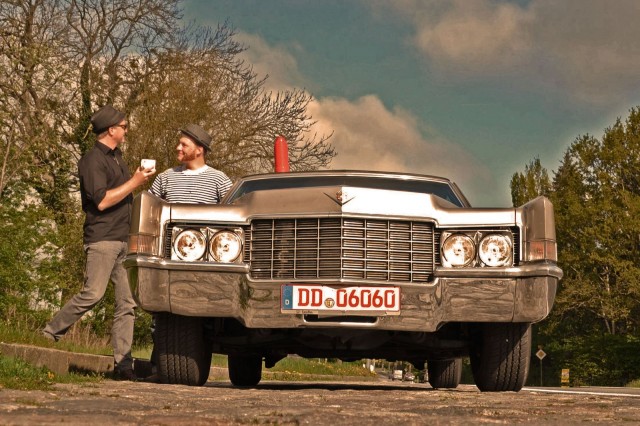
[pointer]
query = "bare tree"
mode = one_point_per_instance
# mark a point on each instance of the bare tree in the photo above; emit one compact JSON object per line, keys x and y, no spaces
{"x":203,"y":81}
{"x":60,"y":59}
{"x":46,"y":99}
{"x":106,"y":36}
{"x":33,"y":80}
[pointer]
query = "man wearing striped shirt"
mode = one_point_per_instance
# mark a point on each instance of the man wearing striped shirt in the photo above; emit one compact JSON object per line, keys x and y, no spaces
{"x":193,"y":181}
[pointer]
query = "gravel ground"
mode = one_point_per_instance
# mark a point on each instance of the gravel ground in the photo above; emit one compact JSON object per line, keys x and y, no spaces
{"x":297,"y":403}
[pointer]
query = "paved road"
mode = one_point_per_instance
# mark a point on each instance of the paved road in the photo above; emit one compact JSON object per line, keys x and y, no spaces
{"x":603,"y":391}
{"x":298,"y":403}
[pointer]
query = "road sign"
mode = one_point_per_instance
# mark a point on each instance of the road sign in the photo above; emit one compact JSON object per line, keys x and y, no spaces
{"x":564,"y":378}
{"x":541,"y":354}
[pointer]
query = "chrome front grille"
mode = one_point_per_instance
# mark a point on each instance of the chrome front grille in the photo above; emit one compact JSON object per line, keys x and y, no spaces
{"x":341,"y":247}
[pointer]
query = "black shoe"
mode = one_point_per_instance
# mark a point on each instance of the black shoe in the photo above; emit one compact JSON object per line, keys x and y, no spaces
{"x":126,"y":374}
{"x":154,"y":378}
{"x":49,"y":336}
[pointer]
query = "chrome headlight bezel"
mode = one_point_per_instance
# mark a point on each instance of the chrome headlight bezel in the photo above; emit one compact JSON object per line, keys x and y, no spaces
{"x":206,"y":236}
{"x":480,"y":255}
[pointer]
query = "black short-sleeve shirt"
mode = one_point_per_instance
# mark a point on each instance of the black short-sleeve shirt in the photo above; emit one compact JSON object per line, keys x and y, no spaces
{"x":100,"y":170}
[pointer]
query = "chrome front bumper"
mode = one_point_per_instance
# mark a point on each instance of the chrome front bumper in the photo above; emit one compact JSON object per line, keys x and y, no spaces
{"x":518,"y":294}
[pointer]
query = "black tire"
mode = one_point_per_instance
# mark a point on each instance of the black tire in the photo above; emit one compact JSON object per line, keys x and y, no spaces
{"x":245,"y":370}
{"x":445,"y":374}
{"x":500,"y":354}
{"x":182,"y":355}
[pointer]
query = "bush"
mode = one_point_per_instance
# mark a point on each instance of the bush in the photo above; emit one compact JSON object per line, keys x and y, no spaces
{"x":43,"y":266}
{"x":604,"y":360}
{"x":26,"y":250}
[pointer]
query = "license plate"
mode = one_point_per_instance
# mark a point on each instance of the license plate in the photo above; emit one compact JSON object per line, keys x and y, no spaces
{"x":301,"y":298}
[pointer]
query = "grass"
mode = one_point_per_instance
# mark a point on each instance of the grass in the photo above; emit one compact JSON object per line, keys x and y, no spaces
{"x":17,"y":374}
{"x":294,"y":368}
{"x":80,"y":339}
{"x":633,"y":384}
{"x":321,"y":367}
{"x":142,"y":353}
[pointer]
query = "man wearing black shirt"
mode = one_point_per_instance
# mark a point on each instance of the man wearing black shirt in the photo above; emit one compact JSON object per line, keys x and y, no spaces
{"x":106,"y":191}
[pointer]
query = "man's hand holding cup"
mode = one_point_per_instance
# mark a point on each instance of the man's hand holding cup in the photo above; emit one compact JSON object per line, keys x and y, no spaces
{"x":148,"y":164}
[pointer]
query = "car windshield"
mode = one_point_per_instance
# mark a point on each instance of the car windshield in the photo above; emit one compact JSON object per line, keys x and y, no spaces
{"x":440,"y":189}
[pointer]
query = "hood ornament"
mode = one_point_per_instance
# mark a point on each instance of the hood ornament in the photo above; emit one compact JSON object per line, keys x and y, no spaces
{"x":341,"y":198}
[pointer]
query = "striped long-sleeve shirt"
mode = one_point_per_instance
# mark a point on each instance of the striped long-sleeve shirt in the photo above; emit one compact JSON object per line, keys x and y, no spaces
{"x":181,"y":185}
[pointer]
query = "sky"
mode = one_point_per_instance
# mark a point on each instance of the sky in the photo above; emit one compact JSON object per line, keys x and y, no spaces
{"x":471,"y":90}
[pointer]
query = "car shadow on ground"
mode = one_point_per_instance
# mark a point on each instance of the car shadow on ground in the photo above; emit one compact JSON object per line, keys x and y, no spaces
{"x":408,"y":387}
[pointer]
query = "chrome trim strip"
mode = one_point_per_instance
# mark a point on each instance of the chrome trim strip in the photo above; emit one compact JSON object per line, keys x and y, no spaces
{"x":343,"y":324}
{"x":175,"y":265}
{"x":528,"y":270}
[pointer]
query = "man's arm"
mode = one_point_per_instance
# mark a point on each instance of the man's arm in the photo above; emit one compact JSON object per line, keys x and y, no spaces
{"x":224,"y":186}
{"x":158,"y":187}
{"x":115,"y":195}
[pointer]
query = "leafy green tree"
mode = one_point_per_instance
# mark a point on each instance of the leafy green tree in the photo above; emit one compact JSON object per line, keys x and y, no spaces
{"x":596,"y":197}
{"x":527,"y":185}
{"x":597,"y":203}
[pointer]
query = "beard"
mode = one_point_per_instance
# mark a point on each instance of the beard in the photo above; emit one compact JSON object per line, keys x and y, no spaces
{"x":186,"y":156}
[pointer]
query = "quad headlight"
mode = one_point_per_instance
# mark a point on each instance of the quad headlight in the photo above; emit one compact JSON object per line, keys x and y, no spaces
{"x":495,"y":250}
{"x":206,"y":244}
{"x":476,"y":248}
{"x":225,"y":246}
{"x":190,"y":244}
{"x":458,"y":250}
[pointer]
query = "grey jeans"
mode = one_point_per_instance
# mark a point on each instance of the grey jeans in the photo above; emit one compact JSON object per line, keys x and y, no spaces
{"x":104,"y":262}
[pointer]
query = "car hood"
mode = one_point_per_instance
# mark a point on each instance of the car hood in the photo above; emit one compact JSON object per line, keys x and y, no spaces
{"x":331,"y":201}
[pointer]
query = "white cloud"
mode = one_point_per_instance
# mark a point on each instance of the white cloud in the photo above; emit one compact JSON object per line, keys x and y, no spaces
{"x":367,"y":136}
{"x":477,"y":37}
{"x":275,"y":62}
{"x":585,"y":48}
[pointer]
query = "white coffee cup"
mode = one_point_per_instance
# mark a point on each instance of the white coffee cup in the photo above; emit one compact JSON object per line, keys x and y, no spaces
{"x":147,"y":163}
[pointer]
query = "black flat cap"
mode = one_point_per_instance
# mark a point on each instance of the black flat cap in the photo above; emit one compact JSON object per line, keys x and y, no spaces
{"x":198,"y":134}
{"x":106,"y":117}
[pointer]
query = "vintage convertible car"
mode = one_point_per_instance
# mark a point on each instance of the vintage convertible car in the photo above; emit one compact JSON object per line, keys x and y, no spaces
{"x":348,"y":265}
